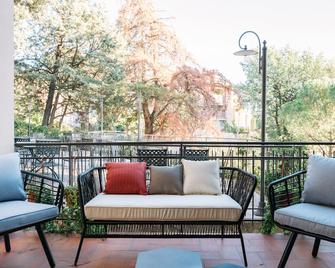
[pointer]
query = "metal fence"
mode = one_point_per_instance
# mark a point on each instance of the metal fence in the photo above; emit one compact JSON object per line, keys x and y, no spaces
{"x":66,"y":160}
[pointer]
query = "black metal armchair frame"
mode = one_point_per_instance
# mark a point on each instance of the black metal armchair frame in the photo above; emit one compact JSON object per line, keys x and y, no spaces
{"x":285,"y":192}
{"x":40,"y":189}
{"x":237,"y":183}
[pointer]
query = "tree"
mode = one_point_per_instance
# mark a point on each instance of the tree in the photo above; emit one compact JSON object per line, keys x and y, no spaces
{"x":160,"y":73}
{"x":69,"y":58}
{"x":288,"y":72}
{"x":197,"y":103}
{"x":311,"y":115}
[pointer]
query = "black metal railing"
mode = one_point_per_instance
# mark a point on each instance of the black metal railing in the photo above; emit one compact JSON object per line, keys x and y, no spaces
{"x":66,"y":160}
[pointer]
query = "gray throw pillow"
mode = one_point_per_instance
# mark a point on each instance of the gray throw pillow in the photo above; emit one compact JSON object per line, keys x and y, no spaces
{"x":11,"y":183}
{"x":319,"y":186}
{"x":166,"y":180}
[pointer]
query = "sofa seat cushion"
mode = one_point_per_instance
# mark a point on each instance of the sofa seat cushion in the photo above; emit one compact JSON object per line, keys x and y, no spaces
{"x":311,"y":218}
{"x":163,"y":208}
{"x":16,"y":214}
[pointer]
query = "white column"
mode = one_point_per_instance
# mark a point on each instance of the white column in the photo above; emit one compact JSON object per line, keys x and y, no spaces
{"x":6,"y":77}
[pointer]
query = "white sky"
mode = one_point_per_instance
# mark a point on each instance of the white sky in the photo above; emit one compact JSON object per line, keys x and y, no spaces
{"x":209,"y":29}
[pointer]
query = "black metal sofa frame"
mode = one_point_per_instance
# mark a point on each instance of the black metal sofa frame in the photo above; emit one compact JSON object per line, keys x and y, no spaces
{"x":236,"y":183}
{"x":285,"y":192}
{"x":40,"y":189}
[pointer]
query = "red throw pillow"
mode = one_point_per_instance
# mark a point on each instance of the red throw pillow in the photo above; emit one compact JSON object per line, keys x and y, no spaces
{"x":126,"y":178}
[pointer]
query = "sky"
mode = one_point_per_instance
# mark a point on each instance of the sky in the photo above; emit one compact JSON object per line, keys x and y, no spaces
{"x":210,"y":29}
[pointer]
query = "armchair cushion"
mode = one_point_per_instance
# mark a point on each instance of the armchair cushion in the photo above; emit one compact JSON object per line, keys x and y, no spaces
{"x":16,"y":214}
{"x":11,"y":183}
{"x":316,"y":219}
{"x":320,"y":181}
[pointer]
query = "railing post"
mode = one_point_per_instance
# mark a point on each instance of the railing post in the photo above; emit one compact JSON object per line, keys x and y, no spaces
{"x":181,"y":152}
{"x":70,"y":166}
{"x":261,"y":204}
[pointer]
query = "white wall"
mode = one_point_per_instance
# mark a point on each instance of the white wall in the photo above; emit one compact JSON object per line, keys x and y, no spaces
{"x":6,"y":77}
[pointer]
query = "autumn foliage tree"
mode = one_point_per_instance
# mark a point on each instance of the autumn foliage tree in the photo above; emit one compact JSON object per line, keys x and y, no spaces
{"x":160,"y":72}
{"x":197,"y":103}
{"x":70,"y":59}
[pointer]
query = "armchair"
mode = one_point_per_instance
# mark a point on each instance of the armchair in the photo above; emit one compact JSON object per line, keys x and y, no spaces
{"x":303,"y":204}
{"x":44,"y":194}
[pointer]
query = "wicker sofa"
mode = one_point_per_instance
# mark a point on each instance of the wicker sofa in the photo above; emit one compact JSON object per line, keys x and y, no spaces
{"x":162,"y":216}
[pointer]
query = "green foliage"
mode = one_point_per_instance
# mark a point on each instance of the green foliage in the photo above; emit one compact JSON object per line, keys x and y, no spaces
{"x":311,"y":115}
{"x":66,"y":62}
{"x":69,"y":220}
{"x":288,"y":71}
{"x":35,"y":195}
{"x":232,"y":128}
{"x":22,"y":128}
{"x":268,"y":226}
{"x":70,"y":60}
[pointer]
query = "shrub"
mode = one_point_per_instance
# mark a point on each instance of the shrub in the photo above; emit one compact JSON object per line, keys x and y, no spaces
{"x":69,"y":220}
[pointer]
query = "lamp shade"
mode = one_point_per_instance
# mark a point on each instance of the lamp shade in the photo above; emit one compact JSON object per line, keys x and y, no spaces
{"x":245,"y":52}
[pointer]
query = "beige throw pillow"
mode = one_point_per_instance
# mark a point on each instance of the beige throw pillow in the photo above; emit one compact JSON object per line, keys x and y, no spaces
{"x":201,"y":177}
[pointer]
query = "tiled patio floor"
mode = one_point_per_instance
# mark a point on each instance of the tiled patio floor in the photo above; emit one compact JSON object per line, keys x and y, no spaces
{"x":262,"y":251}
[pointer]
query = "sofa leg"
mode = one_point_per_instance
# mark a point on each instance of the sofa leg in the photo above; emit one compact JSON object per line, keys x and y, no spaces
{"x":45,"y":245}
{"x":287,"y":250}
{"x":79,"y":247}
{"x":316,"y":247}
{"x":7,"y":242}
{"x":243,"y":248}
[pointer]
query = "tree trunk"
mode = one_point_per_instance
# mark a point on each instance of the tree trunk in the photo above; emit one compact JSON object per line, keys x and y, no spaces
{"x":148,"y":119}
{"x":149,"y":128}
{"x":48,"y":105}
{"x":83,"y":121}
{"x":52,"y":85}
{"x":63,"y":115}
{"x":54,"y":109}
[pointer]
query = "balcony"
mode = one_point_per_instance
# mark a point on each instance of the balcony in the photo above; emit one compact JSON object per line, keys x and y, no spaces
{"x":65,"y":160}
{"x":262,"y":251}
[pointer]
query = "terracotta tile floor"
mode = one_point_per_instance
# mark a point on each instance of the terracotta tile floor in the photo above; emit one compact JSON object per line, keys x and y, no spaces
{"x":262,"y":251}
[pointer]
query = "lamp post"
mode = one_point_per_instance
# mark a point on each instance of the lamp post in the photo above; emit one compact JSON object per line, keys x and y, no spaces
{"x":261,"y":70}
{"x":102,"y":115}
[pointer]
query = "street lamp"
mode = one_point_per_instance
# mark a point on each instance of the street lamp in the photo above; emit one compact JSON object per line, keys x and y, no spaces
{"x":102,"y":115}
{"x":261,"y":70}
